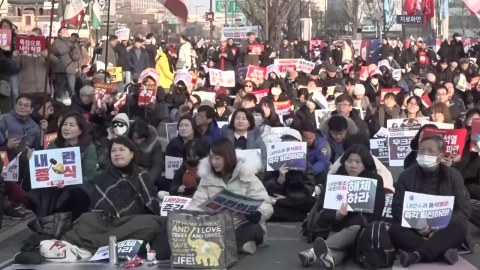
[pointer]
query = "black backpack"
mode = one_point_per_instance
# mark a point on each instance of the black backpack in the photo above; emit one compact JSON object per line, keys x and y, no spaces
{"x":373,"y":248}
{"x":312,"y":227}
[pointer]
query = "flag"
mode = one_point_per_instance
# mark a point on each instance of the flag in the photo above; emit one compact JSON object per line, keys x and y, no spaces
{"x":386,"y":10}
{"x":444,"y":10}
{"x":96,"y":13}
{"x":74,"y":13}
{"x":178,"y":8}
{"x":410,"y":6}
{"x":474,"y":6}
{"x":428,"y":9}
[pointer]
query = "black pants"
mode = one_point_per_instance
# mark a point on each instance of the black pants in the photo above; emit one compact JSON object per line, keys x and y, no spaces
{"x":292,"y":209}
{"x":474,"y":191}
{"x":430,"y":249}
{"x":248,"y":232}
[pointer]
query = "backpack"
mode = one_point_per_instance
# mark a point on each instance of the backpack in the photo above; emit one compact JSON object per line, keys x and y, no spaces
{"x":312,"y":227}
{"x":373,"y":248}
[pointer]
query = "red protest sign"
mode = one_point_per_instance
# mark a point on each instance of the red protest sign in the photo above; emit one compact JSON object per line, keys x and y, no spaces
{"x":48,"y":138}
{"x":257,"y":49}
{"x":285,"y":65}
{"x":4,"y":157}
{"x":6,"y":39}
{"x":363,"y":74}
{"x":388,"y":90}
{"x":147,"y":95}
{"x":103,"y":91}
{"x":259,"y":94}
{"x":30,"y":44}
{"x":474,"y":82}
{"x":255,"y":73}
{"x":454,"y":140}
{"x":282,"y":107}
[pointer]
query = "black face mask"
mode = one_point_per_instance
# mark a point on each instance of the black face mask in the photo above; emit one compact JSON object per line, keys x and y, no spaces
{"x":192,"y":163}
{"x":219,"y":104}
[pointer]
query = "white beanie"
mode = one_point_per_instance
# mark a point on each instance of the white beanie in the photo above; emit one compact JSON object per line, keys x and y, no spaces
{"x":359,"y":89}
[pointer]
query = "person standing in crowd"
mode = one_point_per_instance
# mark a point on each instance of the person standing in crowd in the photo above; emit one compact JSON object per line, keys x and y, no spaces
{"x":298,"y":50}
{"x":165,"y":68}
{"x":138,"y":59}
{"x":121,"y":50}
{"x":151,"y":47}
{"x":431,"y":177}
{"x":69,"y":55}
{"x":325,"y":52}
{"x":205,"y":120}
{"x":84,"y":51}
{"x":184,"y":54}
{"x":268,"y":55}
{"x":409,"y":54}
{"x":223,"y":170}
{"x":235,"y":51}
{"x":5,"y":60}
{"x":286,"y":50}
{"x":398,"y":52}
{"x":112,"y":56}
{"x":457,"y":50}
{"x":223,"y":56}
{"x":250,"y":58}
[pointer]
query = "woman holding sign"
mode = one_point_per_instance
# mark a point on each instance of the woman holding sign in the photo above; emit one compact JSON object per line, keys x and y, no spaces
{"x":344,"y":225}
{"x":222,"y":170}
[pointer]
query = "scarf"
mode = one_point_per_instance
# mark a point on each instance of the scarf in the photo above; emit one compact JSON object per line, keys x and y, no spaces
{"x":189,"y":178}
{"x":337,"y":148}
{"x":393,"y":112}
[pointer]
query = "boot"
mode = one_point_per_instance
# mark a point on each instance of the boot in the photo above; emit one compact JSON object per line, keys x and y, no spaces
{"x":307,"y":257}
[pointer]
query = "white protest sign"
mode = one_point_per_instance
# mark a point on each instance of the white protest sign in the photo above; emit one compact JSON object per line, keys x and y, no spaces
{"x":205,"y":95}
{"x":291,"y":154}
{"x":439,"y":125}
{"x":48,"y":168}
{"x":127,"y":248}
{"x":249,"y":154}
{"x":10,"y":172}
{"x":305,"y":66}
{"x":171,"y":203}
{"x":359,"y":193}
{"x":421,"y":211}
{"x":220,"y":124}
{"x":278,"y":132}
{"x":397,"y":74}
{"x":171,"y":165}
{"x":183,"y":76}
{"x":123,"y":34}
{"x":321,"y":115}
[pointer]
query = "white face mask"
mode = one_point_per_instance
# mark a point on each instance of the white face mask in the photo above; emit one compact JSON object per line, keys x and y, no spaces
{"x":120,"y":131}
{"x":67,"y":102}
{"x":390,"y":58}
{"x":276,"y":91}
{"x":418,"y":92}
{"x":374,"y":81}
{"x":316,"y":53}
{"x":427,"y":162}
{"x":458,"y":38}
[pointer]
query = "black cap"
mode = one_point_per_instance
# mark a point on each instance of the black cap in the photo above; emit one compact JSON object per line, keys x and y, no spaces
{"x":463,"y":61}
{"x":315,"y":70}
{"x":415,"y":70}
{"x":224,"y":98}
{"x":331,"y":68}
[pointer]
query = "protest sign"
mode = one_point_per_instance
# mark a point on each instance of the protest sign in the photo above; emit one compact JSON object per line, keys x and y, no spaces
{"x":6,"y":39}
{"x":379,"y":148}
{"x":183,"y":76}
{"x":121,"y":100}
{"x":126,"y":250}
{"x":204,"y":95}
{"x":4,"y":157}
{"x":291,"y":154}
{"x":454,"y":140}
{"x":363,"y":74}
{"x":48,"y":168}
{"x":171,"y":165}
{"x":272,"y":68}
{"x":422,"y":210}
{"x":256,"y":48}
{"x":305,"y":66}
{"x":321,"y":115}
{"x":279,"y":131}
{"x":384,"y":91}
{"x":116,"y":74}
{"x":29,"y":45}
{"x":381,"y":133}
{"x":123,"y":34}
{"x":475,"y":135}
{"x":359,"y":193}
{"x":220,"y":124}
{"x":46,"y":29}
{"x":222,"y":78}
{"x":474,"y":82}
{"x":228,"y":201}
{"x":259,"y":94}
{"x":171,"y":130}
{"x":256,"y":73}
{"x":284,"y":65}
{"x":397,"y":74}
{"x":171,"y":203}
{"x":439,"y":125}
{"x":249,"y":154}
{"x":148,"y":95}
{"x":400,"y":132}
{"x":10,"y":170}
{"x":387,"y":209}
{"x":48,"y":138}
{"x":103,"y":91}
{"x":282,"y":107}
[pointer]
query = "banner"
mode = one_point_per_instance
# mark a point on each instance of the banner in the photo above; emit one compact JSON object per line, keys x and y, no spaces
{"x":239,"y":32}
{"x":454,"y":140}
{"x":421,"y":211}
{"x":379,"y":148}
{"x":148,"y":95}
{"x":126,"y":250}
{"x":291,"y":154}
{"x":116,"y":74}
{"x":5,"y":39}
{"x":248,"y":154}
{"x":359,"y":193}
{"x":29,"y":45}
{"x":46,"y":29}
{"x":231,"y":202}
{"x":285,"y":65}
{"x":305,"y":66}
{"x":171,"y":203}
{"x":48,"y":138}
{"x":183,"y":76}
{"x":103,"y":91}
{"x":400,"y":133}
{"x":256,"y":73}
{"x":259,"y":94}
{"x":48,"y":168}
{"x":256,"y":49}
{"x":171,"y":130}
{"x":282,"y":107}
{"x":171,"y":165}
{"x":123,"y":34}
{"x":222,"y":78}
{"x":10,"y":170}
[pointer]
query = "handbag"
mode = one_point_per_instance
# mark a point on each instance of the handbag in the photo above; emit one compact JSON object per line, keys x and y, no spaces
{"x":180,"y":64}
{"x":5,"y":88}
{"x":201,"y":240}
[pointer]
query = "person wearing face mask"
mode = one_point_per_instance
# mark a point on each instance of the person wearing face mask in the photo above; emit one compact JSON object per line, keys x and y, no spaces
{"x":268,"y":134}
{"x":305,"y":113}
{"x":430,"y":177}
{"x":277,"y":93}
{"x":372,"y":85}
{"x":457,"y":50}
{"x":222,"y":110}
{"x":411,"y":158}
{"x":408,"y":55}
{"x":393,"y":63}
{"x":360,"y":100}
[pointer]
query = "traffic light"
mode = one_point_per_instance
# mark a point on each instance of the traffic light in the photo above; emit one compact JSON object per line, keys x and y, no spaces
{"x":209,"y":16}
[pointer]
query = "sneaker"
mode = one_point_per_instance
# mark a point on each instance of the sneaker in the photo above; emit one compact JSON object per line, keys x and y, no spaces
{"x":17,"y":206}
{"x":11,"y":213}
{"x":409,"y":258}
{"x":450,"y":256}
{"x":307,"y":257}
{"x":249,"y":247}
{"x":324,"y":255}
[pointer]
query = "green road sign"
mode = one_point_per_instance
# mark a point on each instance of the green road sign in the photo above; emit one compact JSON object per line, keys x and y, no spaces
{"x":232,"y":7}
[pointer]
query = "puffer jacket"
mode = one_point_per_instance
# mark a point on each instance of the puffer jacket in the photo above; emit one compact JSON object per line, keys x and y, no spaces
{"x":31,"y":77}
{"x":68,"y":59}
{"x":243,"y":182}
{"x":165,"y":69}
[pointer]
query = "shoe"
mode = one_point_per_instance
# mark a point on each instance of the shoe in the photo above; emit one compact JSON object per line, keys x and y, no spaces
{"x":11,"y":213}
{"x":450,"y":256}
{"x":409,"y":258}
{"x":249,"y":247}
{"x":17,"y":206}
{"x":162,"y":194}
{"x":324,"y":254}
{"x":307,"y":257}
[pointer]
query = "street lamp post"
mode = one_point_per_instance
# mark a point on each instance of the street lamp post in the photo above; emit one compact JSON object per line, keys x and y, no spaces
{"x":196,"y":12}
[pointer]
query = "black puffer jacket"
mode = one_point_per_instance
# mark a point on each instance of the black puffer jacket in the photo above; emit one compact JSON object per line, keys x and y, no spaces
{"x":298,"y":184}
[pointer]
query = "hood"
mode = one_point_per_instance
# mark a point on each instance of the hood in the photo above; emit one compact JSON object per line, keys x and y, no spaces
{"x":148,"y":145}
{"x":245,"y":170}
{"x":351,"y":127}
{"x":122,"y":117}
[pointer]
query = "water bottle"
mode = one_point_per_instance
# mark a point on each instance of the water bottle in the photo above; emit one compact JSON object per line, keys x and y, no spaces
{"x":112,"y":250}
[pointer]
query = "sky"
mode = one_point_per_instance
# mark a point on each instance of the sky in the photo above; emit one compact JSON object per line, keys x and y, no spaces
{"x":201,"y":10}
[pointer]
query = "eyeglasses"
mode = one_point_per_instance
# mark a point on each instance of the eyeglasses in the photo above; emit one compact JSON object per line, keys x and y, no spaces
{"x":343,"y":104}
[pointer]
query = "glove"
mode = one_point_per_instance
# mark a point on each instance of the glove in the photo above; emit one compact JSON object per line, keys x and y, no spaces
{"x":254,"y":217}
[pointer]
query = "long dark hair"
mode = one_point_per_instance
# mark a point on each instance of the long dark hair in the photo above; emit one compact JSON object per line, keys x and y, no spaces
{"x":249,"y":116}
{"x":365,"y":155}
{"x":84,"y":140}
{"x":127,"y":143}
{"x":224,"y":147}
{"x":196,"y":130}
{"x":273,"y":117}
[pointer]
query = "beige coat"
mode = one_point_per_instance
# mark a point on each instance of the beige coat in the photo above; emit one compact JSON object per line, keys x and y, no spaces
{"x":243,"y":182}
{"x":31,"y":77}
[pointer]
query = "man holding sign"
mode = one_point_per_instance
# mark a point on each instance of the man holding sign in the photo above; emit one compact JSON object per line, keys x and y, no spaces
{"x":444,"y":224}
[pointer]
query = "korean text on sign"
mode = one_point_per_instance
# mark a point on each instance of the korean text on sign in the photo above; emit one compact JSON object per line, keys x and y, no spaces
{"x":422,"y":210}
{"x":358,"y":191}
{"x":227,"y":201}
{"x":30,"y":44}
